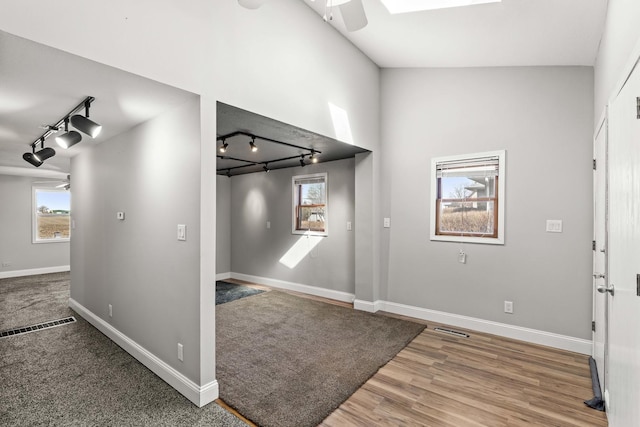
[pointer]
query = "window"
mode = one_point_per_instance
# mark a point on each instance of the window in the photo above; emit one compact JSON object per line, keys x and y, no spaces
{"x":51,"y":215}
{"x":310,"y":204}
{"x":468,"y":198}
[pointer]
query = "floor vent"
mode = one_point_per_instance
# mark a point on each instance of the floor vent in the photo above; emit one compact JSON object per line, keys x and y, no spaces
{"x":38,"y":327}
{"x":452,"y":332}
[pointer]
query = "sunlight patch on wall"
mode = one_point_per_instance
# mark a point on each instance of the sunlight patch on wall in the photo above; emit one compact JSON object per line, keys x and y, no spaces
{"x":341,"y":124}
{"x":299,"y":250}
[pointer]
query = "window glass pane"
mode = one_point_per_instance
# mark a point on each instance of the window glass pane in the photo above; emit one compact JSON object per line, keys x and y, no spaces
{"x":313,"y":194}
{"x":52,"y":214}
{"x":311,"y":218}
{"x":464,"y":187}
{"x":467,"y":217}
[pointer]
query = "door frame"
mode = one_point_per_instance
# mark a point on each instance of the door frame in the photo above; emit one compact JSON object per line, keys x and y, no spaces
{"x":601,"y":248}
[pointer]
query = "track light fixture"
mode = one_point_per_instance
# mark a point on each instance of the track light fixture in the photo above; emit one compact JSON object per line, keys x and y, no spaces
{"x":37,"y":158}
{"x":252,"y":144}
{"x":84,"y":124}
{"x":266,"y":167}
{"x":302,"y":163}
{"x":313,"y":157}
{"x":228,"y":173}
{"x":223,"y":147}
{"x":68,"y":139}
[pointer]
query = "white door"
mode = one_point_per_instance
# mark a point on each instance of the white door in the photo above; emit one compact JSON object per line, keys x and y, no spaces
{"x":600,"y":252}
{"x":622,"y":391}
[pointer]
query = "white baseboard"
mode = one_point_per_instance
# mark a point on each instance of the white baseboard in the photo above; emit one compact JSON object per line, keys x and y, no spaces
{"x":549,"y":339}
{"x":34,"y":271}
{"x":199,"y":395}
{"x":298,"y":287}
{"x":368,"y":306}
{"x":223,"y":276}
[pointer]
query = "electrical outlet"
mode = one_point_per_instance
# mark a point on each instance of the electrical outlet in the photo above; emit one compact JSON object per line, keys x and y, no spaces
{"x":180,"y":352}
{"x":386,"y":223}
{"x":6,"y":264}
{"x":110,"y":310}
{"x":462,"y":257}
{"x":349,"y":227}
{"x":268,"y":224}
{"x":508,"y":307}
{"x":554,"y":226}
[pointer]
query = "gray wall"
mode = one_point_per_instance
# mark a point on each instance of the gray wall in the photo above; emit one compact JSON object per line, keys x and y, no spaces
{"x":543,"y":118}
{"x":261,"y":197}
{"x":223,"y":225}
{"x":16,"y":245}
{"x":152,"y":174}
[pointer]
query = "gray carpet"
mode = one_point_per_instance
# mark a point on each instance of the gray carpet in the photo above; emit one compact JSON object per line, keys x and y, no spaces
{"x":283,"y":360}
{"x":73,"y":375}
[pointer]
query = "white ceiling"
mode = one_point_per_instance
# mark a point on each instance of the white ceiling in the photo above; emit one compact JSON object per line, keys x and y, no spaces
{"x":509,"y":33}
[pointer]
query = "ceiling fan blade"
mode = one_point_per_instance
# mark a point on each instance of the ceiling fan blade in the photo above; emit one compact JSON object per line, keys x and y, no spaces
{"x":353,"y":15}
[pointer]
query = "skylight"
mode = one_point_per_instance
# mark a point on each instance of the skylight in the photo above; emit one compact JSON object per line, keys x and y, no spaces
{"x":406,"y":6}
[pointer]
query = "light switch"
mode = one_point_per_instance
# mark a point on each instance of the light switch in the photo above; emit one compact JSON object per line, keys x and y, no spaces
{"x":182,"y":232}
{"x":120,"y":216}
{"x":554,"y":226}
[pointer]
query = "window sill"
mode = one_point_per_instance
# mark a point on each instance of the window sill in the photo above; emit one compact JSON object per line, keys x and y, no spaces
{"x":469,"y":239}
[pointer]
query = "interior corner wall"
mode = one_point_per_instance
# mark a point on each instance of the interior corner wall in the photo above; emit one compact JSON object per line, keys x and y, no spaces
{"x":223,"y":225}
{"x":16,"y":247}
{"x":137,"y":265}
{"x":268,"y":252}
{"x":542,"y":116}
{"x":620,"y":37}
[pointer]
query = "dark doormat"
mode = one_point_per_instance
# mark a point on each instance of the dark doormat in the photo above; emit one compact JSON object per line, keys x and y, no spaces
{"x":227,"y":292}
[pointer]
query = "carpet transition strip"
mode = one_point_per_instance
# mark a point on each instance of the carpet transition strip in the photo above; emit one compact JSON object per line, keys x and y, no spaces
{"x":38,"y":327}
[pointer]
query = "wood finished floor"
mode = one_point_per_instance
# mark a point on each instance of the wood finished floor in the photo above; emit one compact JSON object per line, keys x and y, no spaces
{"x":483,"y":380}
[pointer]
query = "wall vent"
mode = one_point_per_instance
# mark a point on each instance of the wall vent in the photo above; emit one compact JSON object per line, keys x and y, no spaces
{"x":38,"y":327}
{"x":452,"y":332}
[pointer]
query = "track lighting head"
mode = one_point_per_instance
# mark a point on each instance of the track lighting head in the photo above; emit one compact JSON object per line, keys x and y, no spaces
{"x":37,"y":158}
{"x":44,"y":154}
{"x":252,"y":144}
{"x":228,"y":173}
{"x":31,"y":158}
{"x":266,"y":167}
{"x":302,"y":163}
{"x":86,"y":125}
{"x":68,"y":139}
{"x":313,"y":157}
{"x":223,"y":147}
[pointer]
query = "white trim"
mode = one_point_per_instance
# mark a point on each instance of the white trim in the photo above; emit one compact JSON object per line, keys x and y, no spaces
{"x":549,"y":339}
{"x":368,"y":306}
{"x":298,"y":287}
{"x":223,"y":276}
{"x":199,"y":395}
{"x":34,"y":271}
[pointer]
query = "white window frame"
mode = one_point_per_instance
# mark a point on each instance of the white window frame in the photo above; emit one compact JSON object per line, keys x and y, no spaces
{"x":499,"y":240}
{"x":294,"y":203}
{"x":34,"y":216}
